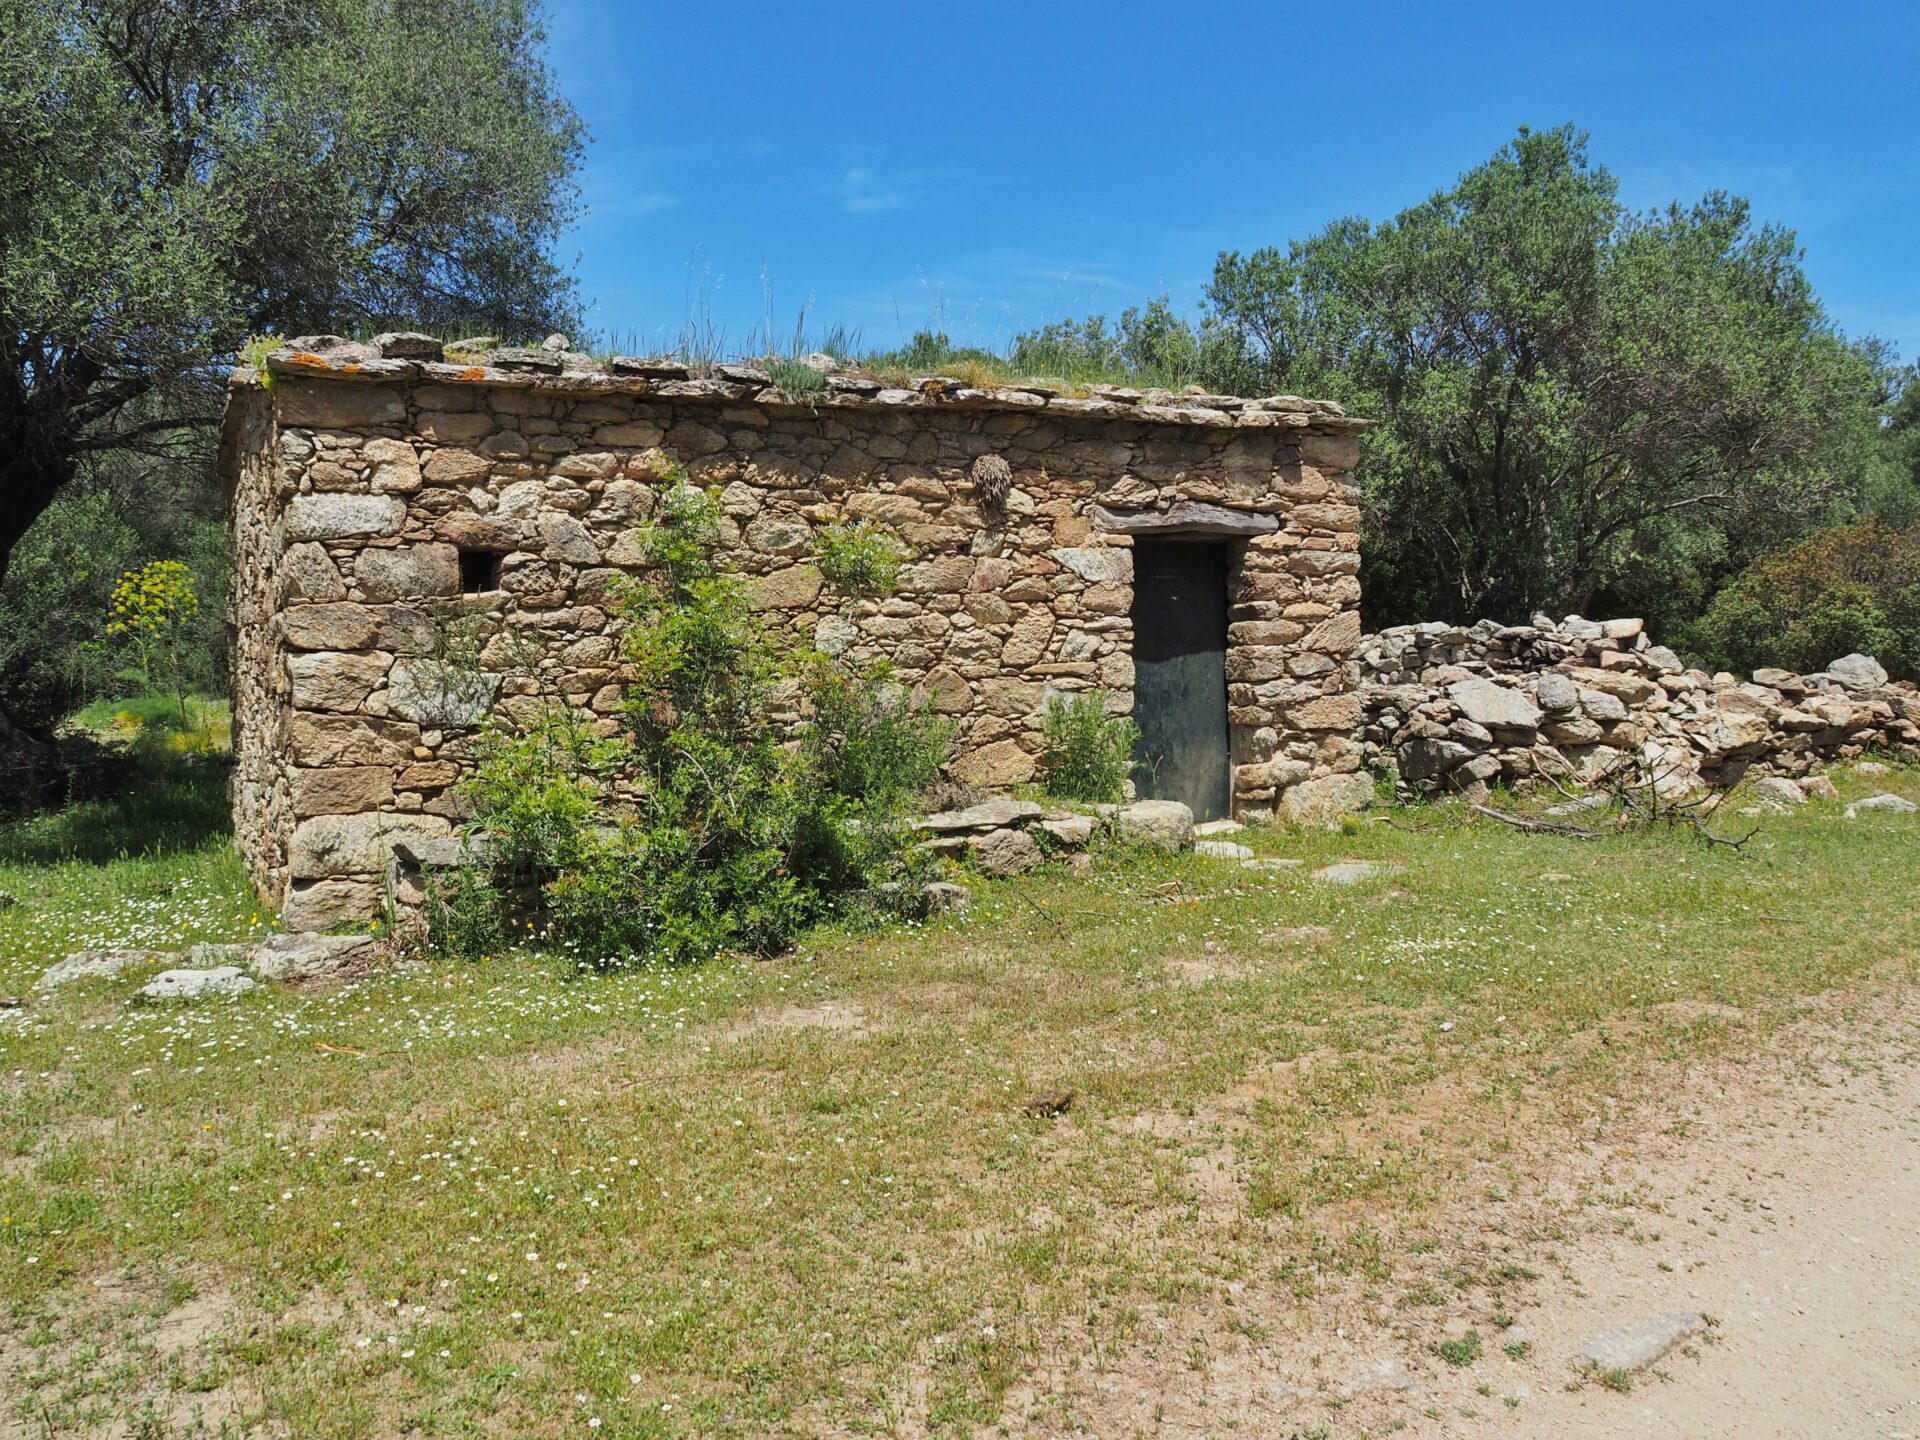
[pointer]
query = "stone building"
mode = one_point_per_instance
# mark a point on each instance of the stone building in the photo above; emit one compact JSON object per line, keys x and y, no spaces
{"x":1191,"y":557}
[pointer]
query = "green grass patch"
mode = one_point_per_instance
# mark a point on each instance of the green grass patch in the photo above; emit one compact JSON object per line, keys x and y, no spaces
{"x":802,"y":1194}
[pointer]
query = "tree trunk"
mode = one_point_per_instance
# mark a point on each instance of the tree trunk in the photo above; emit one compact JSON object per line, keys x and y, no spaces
{"x":33,"y":467}
{"x":34,"y":464}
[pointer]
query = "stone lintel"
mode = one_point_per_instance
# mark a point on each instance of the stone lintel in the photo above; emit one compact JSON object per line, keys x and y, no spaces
{"x":1185,"y":517}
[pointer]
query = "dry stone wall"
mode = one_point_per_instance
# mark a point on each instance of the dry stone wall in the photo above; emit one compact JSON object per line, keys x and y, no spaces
{"x":422,"y":544}
{"x":1450,"y":708}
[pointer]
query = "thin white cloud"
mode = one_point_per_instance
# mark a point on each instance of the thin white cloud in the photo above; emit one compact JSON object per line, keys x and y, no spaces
{"x":862,"y":193}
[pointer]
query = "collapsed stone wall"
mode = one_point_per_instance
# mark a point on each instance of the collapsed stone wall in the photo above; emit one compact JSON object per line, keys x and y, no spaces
{"x":390,"y":508}
{"x":1452,"y":708}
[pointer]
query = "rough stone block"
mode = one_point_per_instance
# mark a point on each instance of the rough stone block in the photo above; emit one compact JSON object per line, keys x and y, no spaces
{"x":345,"y":790}
{"x":407,"y":572}
{"x":344,"y":517}
{"x":331,"y":405}
{"x":335,"y":626}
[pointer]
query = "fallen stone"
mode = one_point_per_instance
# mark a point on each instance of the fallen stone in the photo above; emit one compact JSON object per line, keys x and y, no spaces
{"x":1579,"y":804}
{"x":1326,"y":800}
{"x":943,"y":897}
{"x":1639,"y":1343}
{"x":1777,"y":790}
{"x":1217,"y":827}
{"x":97,"y":965}
{"x":222,"y":980}
{"x":1819,"y":787}
{"x":310,"y":957}
{"x":1164,"y":823}
{"x":1891,"y":804}
{"x":1870,"y":767}
{"x":1222,"y":850}
{"x":994,"y":814}
{"x":1004,"y":852}
{"x":1270,"y":862}
{"x":1378,"y":1375}
{"x":1348,"y":872}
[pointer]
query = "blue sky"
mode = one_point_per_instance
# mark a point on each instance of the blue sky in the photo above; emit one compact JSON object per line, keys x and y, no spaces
{"x":984,"y":168}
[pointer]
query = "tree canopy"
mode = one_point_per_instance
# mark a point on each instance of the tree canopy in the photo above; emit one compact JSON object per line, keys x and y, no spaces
{"x":176,"y":175}
{"x":1572,"y":390}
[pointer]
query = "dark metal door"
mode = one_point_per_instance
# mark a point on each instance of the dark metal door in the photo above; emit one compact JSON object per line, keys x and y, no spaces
{"x":1180,"y":673}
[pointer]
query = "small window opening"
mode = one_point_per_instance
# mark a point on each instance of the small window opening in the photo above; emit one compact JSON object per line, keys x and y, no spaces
{"x":479,"y":571}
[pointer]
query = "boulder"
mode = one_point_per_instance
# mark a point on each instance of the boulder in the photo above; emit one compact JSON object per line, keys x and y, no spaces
{"x":1777,"y":790}
{"x":1326,"y":799}
{"x":1888,"y":804}
{"x":943,"y":897}
{"x":1554,"y":691}
{"x":310,"y":957}
{"x":1166,"y":824}
{"x":1072,"y":831}
{"x":222,"y":980}
{"x":1858,"y":672}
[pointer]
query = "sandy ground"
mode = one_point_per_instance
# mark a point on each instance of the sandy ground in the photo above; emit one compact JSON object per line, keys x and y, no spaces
{"x":1780,"y":1199}
{"x":1813,"y":1278}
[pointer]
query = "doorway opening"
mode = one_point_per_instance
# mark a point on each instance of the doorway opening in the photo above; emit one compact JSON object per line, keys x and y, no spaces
{"x":1180,"y":674}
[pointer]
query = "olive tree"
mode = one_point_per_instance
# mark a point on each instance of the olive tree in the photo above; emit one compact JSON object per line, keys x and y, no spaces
{"x":177,"y":175}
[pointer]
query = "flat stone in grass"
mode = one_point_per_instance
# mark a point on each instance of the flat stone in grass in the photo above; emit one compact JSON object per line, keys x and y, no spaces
{"x":1222,"y":850}
{"x":1376,"y":1375}
{"x":993,"y":814}
{"x":97,"y":965}
{"x":1213,"y":828}
{"x":1348,"y":872}
{"x":222,"y":980}
{"x":1890,"y":804}
{"x":1270,"y":862}
{"x":1639,"y":1343}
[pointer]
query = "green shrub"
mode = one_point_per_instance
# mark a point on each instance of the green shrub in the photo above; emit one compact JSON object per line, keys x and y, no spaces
{"x":700,"y":826}
{"x":859,"y":559}
{"x":1086,"y":753}
{"x":869,"y":739}
{"x":466,"y":913}
{"x":1852,"y":588}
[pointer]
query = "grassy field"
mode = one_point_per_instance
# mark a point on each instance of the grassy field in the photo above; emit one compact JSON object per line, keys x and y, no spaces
{"x":808,"y":1195}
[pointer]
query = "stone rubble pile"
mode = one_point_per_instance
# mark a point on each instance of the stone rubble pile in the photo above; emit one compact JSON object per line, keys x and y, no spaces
{"x":1462,"y":708}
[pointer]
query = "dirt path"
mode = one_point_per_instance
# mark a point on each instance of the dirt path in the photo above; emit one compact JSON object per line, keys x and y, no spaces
{"x":1813,"y":1277}
{"x":1791,"y":1217}
{"x":1780,"y":1198}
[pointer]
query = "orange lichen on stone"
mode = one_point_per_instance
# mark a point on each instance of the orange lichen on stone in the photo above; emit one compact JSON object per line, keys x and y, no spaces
{"x":473,"y":372}
{"x":302,"y":357}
